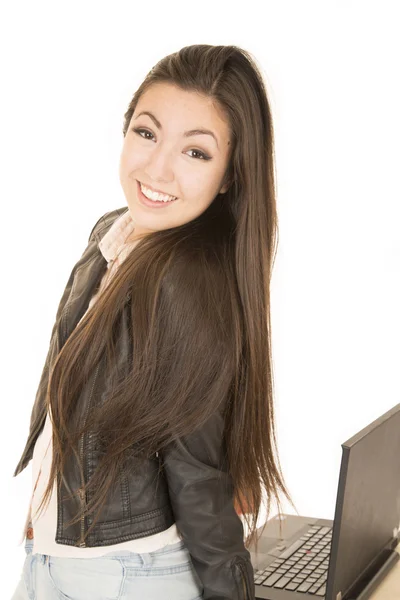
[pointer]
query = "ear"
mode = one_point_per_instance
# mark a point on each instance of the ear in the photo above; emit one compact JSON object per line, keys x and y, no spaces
{"x":225,"y":187}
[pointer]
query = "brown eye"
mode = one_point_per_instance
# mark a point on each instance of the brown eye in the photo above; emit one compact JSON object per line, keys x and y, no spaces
{"x":140,"y":130}
{"x":204,"y":156}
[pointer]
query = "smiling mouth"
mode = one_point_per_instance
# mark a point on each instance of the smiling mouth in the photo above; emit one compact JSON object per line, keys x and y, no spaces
{"x":155,"y":191}
{"x":149,"y":201}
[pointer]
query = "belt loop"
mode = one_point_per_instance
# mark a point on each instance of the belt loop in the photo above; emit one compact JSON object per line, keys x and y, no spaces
{"x":146,"y":558}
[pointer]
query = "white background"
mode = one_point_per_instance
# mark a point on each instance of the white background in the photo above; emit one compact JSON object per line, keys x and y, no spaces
{"x":68,"y":72}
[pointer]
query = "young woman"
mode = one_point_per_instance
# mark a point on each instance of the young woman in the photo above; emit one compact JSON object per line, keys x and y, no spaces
{"x":153,"y":425}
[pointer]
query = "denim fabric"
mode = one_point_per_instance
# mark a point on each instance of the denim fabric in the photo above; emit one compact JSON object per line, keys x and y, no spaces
{"x":166,"y":573}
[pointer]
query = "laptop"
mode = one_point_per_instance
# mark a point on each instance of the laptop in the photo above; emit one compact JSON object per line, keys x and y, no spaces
{"x":343,"y":559}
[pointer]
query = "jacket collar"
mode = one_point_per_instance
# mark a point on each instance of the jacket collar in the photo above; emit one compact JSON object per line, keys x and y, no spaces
{"x":111,"y":242}
{"x":90,"y":268}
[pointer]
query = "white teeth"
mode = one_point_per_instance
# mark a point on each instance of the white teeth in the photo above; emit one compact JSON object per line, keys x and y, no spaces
{"x":155,"y":195}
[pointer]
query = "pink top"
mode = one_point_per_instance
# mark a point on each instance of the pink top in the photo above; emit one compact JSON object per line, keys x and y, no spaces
{"x":115,"y":250}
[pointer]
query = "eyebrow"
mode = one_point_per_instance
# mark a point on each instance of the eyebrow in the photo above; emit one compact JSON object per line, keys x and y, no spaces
{"x":189,"y":133}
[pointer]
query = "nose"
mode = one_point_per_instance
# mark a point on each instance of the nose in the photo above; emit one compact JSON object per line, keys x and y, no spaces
{"x":158,"y":169}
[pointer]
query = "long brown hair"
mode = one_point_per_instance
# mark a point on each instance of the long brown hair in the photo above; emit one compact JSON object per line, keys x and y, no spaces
{"x":199,"y":296}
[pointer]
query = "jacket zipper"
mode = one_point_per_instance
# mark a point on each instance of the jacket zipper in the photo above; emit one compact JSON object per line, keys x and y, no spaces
{"x":82,"y":494}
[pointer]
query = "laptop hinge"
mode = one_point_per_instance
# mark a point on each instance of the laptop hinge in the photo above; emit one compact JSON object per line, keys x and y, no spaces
{"x":372,"y":576}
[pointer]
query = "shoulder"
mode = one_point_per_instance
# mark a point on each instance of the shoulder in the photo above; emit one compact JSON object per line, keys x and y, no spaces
{"x":104,"y":223}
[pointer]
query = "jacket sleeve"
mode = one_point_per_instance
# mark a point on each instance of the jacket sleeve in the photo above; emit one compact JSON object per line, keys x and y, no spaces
{"x":201,"y":495}
{"x":38,"y":405}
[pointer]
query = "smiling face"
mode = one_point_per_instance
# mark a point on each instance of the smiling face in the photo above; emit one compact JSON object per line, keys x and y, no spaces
{"x":157,"y":153}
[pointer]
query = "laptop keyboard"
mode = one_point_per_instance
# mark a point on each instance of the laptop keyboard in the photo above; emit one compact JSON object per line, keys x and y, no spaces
{"x":303,"y":566}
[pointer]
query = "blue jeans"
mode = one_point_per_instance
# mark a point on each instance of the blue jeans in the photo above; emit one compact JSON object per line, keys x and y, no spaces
{"x":166,"y":573}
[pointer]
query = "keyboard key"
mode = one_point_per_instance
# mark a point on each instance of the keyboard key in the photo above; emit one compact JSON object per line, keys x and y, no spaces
{"x":276,"y":564}
{"x":321,"y":591}
{"x":292,"y":586}
{"x":304,"y":587}
{"x":313,"y":589}
{"x":292,"y":549}
{"x":282,"y":582}
{"x":272,"y":579}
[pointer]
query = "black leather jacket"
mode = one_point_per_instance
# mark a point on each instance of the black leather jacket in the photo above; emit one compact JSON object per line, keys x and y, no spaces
{"x":192,"y":490}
